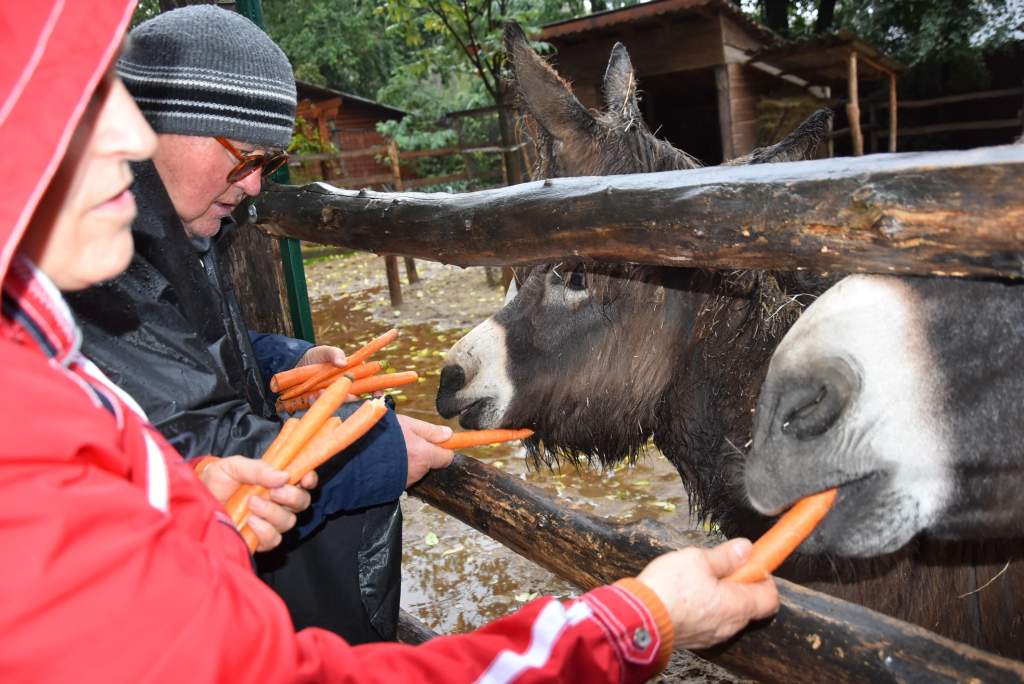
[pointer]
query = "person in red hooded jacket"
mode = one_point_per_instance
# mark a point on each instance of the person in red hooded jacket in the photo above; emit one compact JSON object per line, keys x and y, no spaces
{"x":119,"y":564}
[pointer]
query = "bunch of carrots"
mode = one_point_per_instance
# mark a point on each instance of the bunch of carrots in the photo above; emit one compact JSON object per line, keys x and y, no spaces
{"x":298,"y":388}
{"x":306,"y":443}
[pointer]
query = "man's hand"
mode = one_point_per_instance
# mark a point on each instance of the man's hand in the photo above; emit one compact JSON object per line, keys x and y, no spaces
{"x":705,"y":609}
{"x":421,"y":440}
{"x":322,"y":354}
{"x":268,"y":519}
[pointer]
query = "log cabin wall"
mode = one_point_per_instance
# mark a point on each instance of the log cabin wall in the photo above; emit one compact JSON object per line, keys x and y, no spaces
{"x":695,"y":92}
{"x":350,"y":123}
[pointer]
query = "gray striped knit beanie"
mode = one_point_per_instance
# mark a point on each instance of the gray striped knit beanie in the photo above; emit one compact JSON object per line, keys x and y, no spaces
{"x":205,"y":71}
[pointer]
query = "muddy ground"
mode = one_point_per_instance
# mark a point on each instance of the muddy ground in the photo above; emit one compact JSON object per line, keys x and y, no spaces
{"x":455,"y":579}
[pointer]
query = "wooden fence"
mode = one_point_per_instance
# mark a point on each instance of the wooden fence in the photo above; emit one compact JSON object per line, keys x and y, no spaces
{"x":878,"y":129}
{"x":394,"y":180}
{"x":951,"y":213}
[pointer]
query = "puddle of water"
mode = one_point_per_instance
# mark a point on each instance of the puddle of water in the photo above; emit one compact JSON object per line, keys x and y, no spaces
{"x":454,"y":578}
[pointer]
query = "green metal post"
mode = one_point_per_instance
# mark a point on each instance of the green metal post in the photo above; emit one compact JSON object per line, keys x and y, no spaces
{"x":291,"y":254}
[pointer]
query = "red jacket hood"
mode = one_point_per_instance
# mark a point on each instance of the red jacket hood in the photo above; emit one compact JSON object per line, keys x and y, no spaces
{"x":55,"y":52}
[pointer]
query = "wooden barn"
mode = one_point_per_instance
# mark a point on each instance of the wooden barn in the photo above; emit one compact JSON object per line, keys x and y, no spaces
{"x":704,"y":68}
{"x":349,"y":121}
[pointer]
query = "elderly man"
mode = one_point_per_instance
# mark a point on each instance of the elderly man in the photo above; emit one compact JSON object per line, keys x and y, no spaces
{"x":221,"y":96}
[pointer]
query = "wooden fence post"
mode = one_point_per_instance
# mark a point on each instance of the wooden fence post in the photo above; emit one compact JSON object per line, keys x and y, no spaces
{"x":892,"y":112}
{"x":853,"y":107}
{"x":391,"y":261}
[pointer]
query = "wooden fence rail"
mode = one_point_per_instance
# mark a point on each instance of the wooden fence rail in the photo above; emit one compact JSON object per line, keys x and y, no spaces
{"x":393,"y":178}
{"x":814,"y":637}
{"x":944,"y":213}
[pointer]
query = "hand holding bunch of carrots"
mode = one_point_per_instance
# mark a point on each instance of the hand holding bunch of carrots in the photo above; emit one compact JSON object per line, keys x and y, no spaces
{"x":271,"y":517}
{"x":299,"y":387}
{"x":306,"y":443}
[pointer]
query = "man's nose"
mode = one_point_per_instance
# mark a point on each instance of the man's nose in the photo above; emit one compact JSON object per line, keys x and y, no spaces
{"x":251,"y":184}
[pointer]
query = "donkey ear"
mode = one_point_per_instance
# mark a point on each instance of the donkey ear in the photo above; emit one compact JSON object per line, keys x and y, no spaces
{"x":620,"y":86}
{"x":544,"y":94}
{"x":798,"y":145}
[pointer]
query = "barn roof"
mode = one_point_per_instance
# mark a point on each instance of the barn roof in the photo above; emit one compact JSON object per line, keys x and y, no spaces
{"x":652,"y":12}
{"x":826,"y":57}
{"x":315,"y":92}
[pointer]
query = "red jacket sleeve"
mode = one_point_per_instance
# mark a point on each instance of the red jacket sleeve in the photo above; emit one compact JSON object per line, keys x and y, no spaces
{"x":100,"y":585}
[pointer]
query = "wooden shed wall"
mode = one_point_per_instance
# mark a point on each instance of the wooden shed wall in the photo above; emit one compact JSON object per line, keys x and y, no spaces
{"x":676,"y":44}
{"x":746,"y":86}
{"x":354,"y":128}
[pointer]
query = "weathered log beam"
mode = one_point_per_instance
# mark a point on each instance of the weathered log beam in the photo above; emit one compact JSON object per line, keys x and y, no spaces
{"x":814,"y":638}
{"x":411,"y":630}
{"x":955,"y":213}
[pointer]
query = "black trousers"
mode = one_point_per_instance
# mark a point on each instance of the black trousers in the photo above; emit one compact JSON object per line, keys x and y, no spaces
{"x":345,"y":577}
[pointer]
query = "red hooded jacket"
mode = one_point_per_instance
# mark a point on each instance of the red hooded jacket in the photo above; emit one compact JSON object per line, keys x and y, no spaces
{"x":118,"y":565}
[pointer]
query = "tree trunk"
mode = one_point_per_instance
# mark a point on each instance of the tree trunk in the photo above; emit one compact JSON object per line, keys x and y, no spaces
{"x":941,"y":213}
{"x":826,"y":16}
{"x":513,"y":172}
{"x":252,"y":261}
{"x":776,"y":15}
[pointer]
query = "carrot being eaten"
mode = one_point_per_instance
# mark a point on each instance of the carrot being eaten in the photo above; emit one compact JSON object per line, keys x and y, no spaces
{"x":471,"y":438}
{"x":785,"y":535}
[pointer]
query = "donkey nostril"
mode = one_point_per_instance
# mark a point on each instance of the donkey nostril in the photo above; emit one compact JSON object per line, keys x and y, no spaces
{"x":453,"y":378}
{"x":812,"y":405}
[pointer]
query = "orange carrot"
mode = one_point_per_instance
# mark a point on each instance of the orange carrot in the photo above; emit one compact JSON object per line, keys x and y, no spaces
{"x":386,"y":381}
{"x":285,"y":379}
{"x":363,"y":370}
{"x":329,"y":374}
{"x":307,"y":426}
{"x":469,"y":438}
{"x":270,"y":455}
{"x":250,"y":538}
{"x":340,"y":438}
{"x":371,"y":348}
{"x":235,"y":505}
{"x":326,"y":444}
{"x":293,"y":405}
{"x":297,"y":381}
{"x":785,"y":535}
{"x":322,"y":409}
{"x":241,"y":511}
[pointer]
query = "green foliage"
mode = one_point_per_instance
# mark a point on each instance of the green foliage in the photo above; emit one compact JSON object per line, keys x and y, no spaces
{"x":146,"y":9}
{"x":917,"y":31}
{"x":342,"y":44}
{"x":459,"y":38}
{"x":307,"y":140}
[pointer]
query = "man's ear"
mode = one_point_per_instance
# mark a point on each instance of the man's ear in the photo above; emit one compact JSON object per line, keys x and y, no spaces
{"x":542,"y":92}
{"x":620,"y":86}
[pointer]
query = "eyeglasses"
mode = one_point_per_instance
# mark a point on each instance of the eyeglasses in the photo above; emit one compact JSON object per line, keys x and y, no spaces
{"x":249,"y":162}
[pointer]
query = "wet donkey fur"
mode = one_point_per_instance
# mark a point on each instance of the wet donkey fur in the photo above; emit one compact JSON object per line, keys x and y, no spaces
{"x":598,"y":358}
